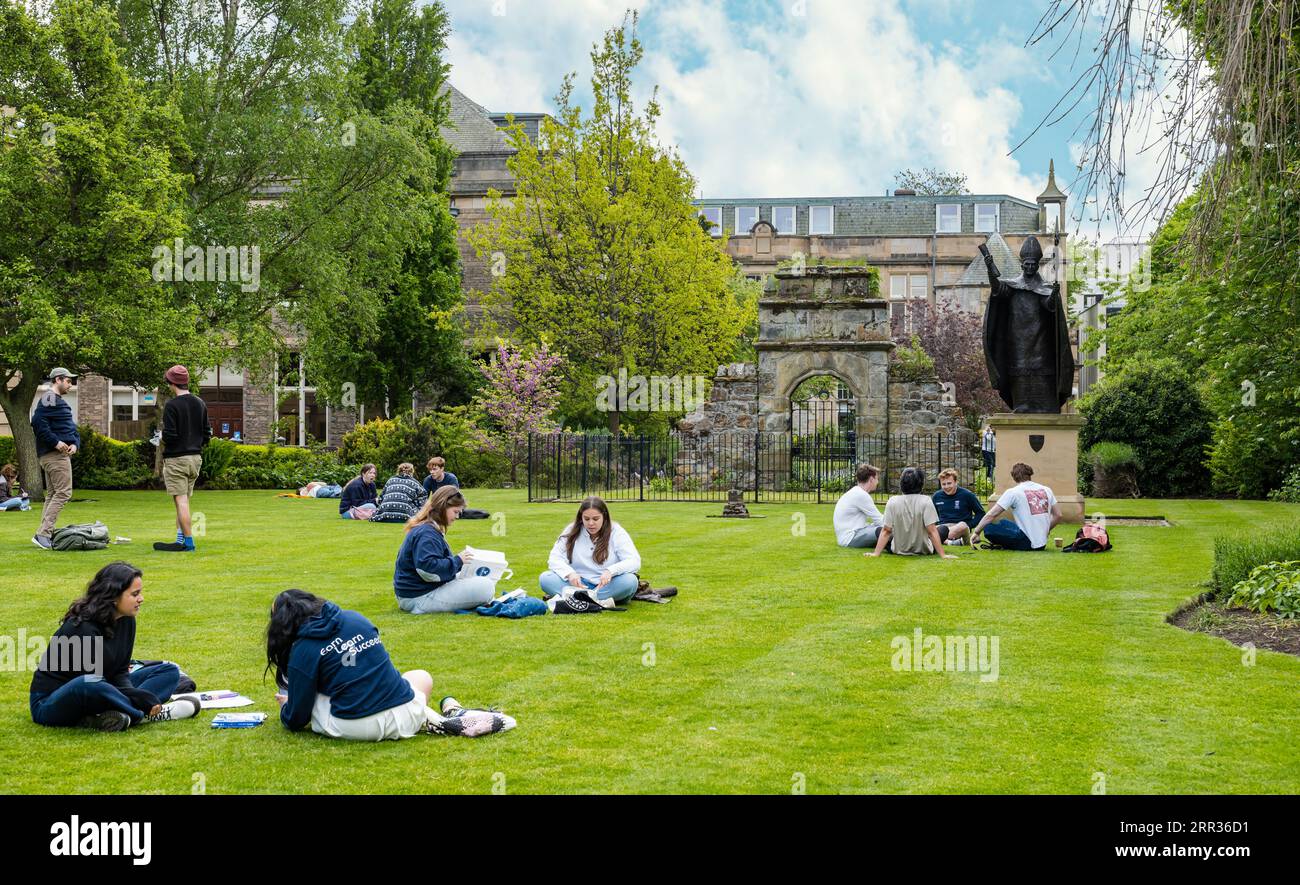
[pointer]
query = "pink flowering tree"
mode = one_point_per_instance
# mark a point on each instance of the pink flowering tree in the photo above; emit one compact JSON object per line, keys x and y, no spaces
{"x":523,"y":388}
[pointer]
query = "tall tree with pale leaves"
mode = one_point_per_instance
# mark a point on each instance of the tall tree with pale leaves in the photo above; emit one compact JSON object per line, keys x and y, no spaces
{"x":603,"y":250}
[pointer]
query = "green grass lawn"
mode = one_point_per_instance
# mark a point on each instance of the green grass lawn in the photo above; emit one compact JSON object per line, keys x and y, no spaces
{"x":772,"y":668}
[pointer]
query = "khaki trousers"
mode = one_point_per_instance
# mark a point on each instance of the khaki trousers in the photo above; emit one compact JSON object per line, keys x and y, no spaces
{"x":58,"y":488}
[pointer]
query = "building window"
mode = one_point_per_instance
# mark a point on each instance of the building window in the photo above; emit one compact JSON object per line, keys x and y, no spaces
{"x":821,"y":220}
{"x":920,"y":286}
{"x":947,"y":218}
{"x":713,"y":215}
{"x":783,"y":220}
{"x":746,"y":217}
{"x":898,"y":286}
{"x":986,"y":217}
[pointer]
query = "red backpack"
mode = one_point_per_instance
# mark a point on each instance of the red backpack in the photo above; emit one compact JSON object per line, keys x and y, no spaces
{"x":1091,"y":538}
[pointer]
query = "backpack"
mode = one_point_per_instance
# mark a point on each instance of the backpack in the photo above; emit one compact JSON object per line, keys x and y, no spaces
{"x":85,"y":536}
{"x":1091,"y":538}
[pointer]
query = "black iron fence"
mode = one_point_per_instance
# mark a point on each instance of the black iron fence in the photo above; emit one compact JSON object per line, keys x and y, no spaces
{"x":772,"y":467}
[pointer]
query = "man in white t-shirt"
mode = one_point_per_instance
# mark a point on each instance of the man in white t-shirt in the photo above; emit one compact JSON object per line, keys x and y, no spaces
{"x":1033,"y":508}
{"x":857,"y":520}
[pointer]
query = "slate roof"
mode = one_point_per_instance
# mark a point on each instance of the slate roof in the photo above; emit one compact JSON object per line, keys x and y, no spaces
{"x":470,"y":129}
{"x":1008,"y":265}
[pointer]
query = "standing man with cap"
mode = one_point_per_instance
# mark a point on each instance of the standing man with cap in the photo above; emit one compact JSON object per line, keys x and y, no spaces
{"x":185,"y":432}
{"x":57,"y":441}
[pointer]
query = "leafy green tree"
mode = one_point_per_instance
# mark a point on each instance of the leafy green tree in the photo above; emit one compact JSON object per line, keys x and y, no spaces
{"x":405,"y":339}
{"x":931,"y":182}
{"x":1233,"y":327}
{"x":1155,"y":408}
{"x":292,"y":150}
{"x":87,"y":188}
{"x":604,"y":255}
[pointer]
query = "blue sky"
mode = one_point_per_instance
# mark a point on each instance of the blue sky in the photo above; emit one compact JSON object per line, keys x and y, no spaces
{"x":790,"y":98}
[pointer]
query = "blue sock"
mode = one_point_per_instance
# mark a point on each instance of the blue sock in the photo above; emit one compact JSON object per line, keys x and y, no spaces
{"x":180,"y":536}
{"x":188,"y":541}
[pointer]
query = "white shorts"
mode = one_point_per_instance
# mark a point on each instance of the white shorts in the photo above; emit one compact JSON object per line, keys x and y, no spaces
{"x":392,"y":724}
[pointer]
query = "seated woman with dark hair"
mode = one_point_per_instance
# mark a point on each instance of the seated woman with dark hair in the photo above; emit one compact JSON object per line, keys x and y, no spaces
{"x":10,"y":499}
{"x":425,"y":576}
{"x":334,"y":674}
{"x":911,"y":522}
{"x":358,"y":498}
{"x":402,"y":497}
{"x":593,"y":553}
{"x":83,"y":676}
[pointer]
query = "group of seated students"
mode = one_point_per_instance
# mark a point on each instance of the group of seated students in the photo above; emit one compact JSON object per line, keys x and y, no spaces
{"x":331,"y":670}
{"x":593,"y":554}
{"x":403,"y":495}
{"x":915,"y":524}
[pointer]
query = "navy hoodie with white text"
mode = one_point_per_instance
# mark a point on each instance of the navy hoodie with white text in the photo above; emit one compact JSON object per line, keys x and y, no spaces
{"x":338,"y":653}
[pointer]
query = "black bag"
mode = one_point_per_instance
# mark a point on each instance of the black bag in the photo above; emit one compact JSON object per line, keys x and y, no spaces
{"x":1090,"y":539}
{"x":186,"y":684}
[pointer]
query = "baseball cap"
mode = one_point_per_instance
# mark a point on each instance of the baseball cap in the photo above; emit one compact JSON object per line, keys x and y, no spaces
{"x":60,"y":372}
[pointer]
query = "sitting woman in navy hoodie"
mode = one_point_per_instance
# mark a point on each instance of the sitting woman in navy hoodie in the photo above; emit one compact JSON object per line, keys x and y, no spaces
{"x":334,"y":674}
{"x":359,"y":493}
{"x":84,"y":676}
{"x":424,"y":578}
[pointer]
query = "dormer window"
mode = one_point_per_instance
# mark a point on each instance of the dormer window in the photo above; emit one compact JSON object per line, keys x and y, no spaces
{"x":947,"y":218}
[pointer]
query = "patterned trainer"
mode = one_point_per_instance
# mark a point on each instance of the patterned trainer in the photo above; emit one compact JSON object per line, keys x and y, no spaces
{"x":460,"y":722}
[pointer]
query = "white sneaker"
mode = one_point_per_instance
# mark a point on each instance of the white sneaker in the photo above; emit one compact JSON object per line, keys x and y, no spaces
{"x":513,"y":594}
{"x":180,"y":707}
{"x":955,"y":542}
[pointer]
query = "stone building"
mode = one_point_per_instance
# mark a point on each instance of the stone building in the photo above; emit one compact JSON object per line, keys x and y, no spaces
{"x":926,"y":247}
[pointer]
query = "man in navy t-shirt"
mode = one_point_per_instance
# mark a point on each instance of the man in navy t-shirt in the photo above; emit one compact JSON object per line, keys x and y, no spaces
{"x":439,"y":475}
{"x":959,"y":509}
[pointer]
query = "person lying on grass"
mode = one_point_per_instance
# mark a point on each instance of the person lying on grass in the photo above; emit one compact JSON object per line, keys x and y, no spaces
{"x":593,"y":553}
{"x":83,"y":676}
{"x":424,"y":577}
{"x":911,"y":524}
{"x":334,"y":674}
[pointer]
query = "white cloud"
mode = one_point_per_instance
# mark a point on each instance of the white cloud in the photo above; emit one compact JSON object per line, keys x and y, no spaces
{"x":830,"y":103}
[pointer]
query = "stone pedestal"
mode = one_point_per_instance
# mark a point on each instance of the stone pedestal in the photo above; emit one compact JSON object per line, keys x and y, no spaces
{"x":1047,"y":443}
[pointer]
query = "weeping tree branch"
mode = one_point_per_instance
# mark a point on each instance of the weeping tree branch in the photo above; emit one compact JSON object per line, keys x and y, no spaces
{"x":1211,"y":86}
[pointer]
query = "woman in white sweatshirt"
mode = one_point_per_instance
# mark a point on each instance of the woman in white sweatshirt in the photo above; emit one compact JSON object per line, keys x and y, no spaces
{"x":595,"y":554}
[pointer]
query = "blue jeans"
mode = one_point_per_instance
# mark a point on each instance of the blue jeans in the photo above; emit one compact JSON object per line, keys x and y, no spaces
{"x":15,"y":504}
{"x":1006,"y":534}
{"x":87,"y":695}
{"x":460,"y":594}
{"x":620,"y":588}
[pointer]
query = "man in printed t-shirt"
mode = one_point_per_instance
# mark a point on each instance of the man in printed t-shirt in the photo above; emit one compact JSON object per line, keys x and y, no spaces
{"x":1034,"y":513}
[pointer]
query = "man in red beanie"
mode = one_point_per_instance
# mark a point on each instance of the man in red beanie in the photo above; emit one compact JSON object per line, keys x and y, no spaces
{"x":185,"y":432}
